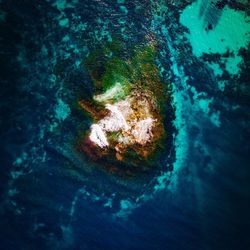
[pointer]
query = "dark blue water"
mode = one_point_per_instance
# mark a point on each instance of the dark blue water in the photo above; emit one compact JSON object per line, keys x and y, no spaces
{"x":52,"y":197}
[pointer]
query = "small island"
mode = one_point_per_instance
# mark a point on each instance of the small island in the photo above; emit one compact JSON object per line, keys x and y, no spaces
{"x":127,"y":108}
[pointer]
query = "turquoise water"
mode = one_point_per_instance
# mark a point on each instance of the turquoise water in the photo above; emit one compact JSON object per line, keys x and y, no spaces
{"x":52,"y":197}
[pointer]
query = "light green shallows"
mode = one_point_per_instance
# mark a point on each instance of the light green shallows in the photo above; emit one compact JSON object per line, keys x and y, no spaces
{"x":62,"y":110}
{"x":230,"y":34}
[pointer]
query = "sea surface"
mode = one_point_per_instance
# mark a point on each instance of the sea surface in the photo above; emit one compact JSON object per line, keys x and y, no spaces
{"x":52,"y":197}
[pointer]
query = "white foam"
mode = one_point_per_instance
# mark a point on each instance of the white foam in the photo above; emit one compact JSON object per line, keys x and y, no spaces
{"x":143,"y":130}
{"x":110,"y":93}
{"x":98,"y":136}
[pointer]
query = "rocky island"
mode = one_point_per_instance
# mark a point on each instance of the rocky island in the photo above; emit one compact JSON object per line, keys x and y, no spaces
{"x":127,"y":108}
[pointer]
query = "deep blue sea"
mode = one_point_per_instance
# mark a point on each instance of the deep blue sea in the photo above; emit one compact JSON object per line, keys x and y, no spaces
{"x":53,"y":198}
